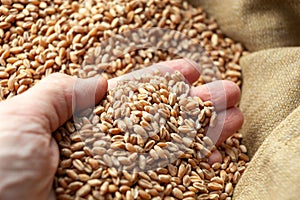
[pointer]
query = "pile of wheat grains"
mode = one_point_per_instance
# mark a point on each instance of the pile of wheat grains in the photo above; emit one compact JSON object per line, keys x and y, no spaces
{"x":85,"y":38}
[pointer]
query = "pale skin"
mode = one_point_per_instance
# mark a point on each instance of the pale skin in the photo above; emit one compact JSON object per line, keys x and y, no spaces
{"x":29,"y":155}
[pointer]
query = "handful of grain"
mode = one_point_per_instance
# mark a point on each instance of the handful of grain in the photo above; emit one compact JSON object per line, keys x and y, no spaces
{"x":149,"y":123}
{"x":144,"y":141}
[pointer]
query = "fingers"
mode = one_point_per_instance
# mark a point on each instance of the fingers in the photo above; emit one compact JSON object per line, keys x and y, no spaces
{"x":51,"y":102}
{"x":54,"y":162}
{"x":64,"y":95}
{"x":88,"y":92}
{"x":215,"y":157}
{"x":227,"y":122}
{"x":54,"y":156}
{"x":188,"y":68}
{"x":223,"y":94}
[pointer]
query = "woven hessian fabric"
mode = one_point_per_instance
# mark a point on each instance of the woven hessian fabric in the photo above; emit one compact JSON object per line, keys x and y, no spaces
{"x":270,"y":104}
{"x":258,"y":24}
{"x":270,"y":94}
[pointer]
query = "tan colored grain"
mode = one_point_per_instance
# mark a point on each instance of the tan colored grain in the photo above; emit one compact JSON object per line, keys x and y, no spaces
{"x":76,"y":185}
{"x":177,"y":193}
{"x":84,"y":190}
{"x":38,"y":38}
{"x":164,"y":178}
{"x":3,"y":75}
{"x":181,"y":171}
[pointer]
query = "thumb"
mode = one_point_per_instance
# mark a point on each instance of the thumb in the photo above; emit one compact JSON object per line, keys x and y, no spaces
{"x":51,"y":102}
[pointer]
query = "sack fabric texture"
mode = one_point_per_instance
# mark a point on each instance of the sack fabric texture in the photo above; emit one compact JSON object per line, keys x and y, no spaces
{"x":270,"y":101}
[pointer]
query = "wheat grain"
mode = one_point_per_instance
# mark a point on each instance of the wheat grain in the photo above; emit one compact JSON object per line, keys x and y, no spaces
{"x":83,"y":39}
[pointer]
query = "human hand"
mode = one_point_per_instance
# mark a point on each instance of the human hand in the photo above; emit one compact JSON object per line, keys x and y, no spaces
{"x":223,"y":94}
{"x":29,"y":155}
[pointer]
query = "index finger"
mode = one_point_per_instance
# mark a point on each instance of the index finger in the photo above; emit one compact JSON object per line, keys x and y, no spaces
{"x":189,"y":69}
{"x":224,"y":94}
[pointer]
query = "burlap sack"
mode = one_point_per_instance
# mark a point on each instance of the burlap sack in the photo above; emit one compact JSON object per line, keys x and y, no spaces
{"x":274,"y":171}
{"x":270,"y":97}
{"x":270,"y":94}
{"x":258,"y":24}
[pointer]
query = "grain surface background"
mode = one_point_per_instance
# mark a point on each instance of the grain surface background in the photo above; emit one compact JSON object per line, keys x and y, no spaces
{"x":78,"y":38}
